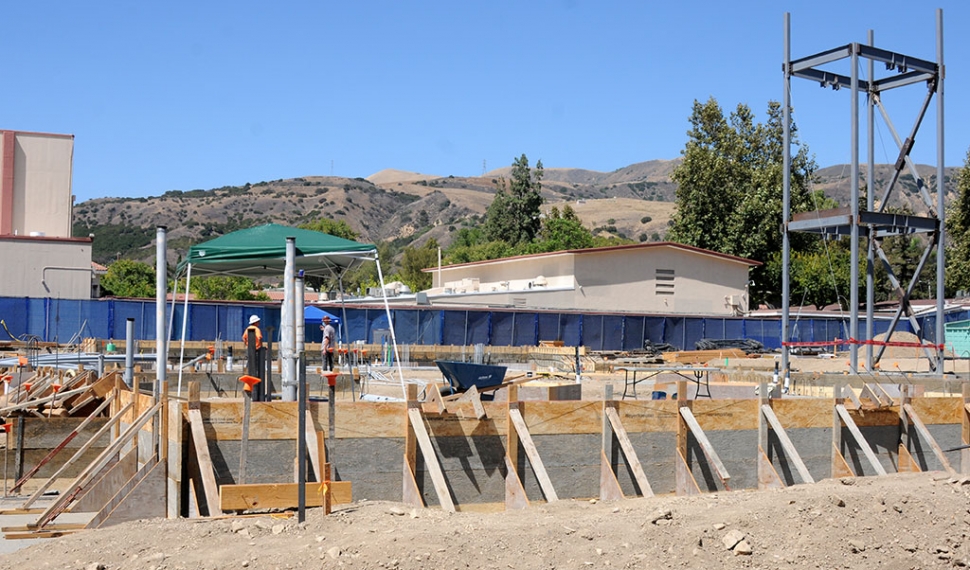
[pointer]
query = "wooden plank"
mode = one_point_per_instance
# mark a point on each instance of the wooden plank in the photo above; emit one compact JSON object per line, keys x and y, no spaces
{"x":37,"y":534}
{"x":706,"y":446}
{"x":431,"y":460}
{"x":769,"y":414}
{"x":928,"y":438}
{"x":628,"y":450}
{"x":522,"y":430}
{"x":280,"y":495}
{"x":175,"y":435}
{"x":686,"y":484}
{"x":609,"y":487}
{"x":840,"y":467}
{"x":848,"y":392}
{"x":53,"y":527}
{"x":77,"y":455}
{"x":433,"y":399}
{"x":965,"y":430}
{"x":98,"y":495}
{"x":905,"y":462}
{"x":860,"y":440}
{"x":767,"y":475}
{"x":410,"y":494}
{"x":91,"y":470}
{"x":142,"y":497}
{"x":515,"y":497}
{"x":312,"y":445}
{"x":53,"y":453}
{"x":201,"y":445}
{"x":472,"y":395}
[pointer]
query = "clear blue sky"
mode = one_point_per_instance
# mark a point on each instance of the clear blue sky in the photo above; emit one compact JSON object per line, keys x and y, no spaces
{"x":182,"y":95}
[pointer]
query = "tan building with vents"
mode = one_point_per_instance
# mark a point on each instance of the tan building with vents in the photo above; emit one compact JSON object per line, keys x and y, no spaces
{"x":656,"y":278}
{"x":37,"y":250}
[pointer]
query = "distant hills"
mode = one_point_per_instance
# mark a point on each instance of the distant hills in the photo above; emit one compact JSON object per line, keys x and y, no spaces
{"x":635,"y":202}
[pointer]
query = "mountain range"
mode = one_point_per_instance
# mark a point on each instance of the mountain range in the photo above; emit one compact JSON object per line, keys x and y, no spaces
{"x":635,"y":202}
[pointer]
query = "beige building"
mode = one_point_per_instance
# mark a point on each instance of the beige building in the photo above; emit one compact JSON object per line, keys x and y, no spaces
{"x":39,"y":254}
{"x":660,"y":278}
{"x":53,"y":267}
{"x":35,"y":184}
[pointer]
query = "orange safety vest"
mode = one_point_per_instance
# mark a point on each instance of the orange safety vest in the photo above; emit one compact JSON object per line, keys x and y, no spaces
{"x":259,"y":336}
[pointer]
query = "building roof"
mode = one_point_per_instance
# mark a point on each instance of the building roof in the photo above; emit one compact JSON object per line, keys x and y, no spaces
{"x":596,"y":250}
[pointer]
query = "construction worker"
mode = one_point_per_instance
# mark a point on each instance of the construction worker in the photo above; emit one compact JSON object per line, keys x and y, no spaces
{"x":329,"y":343}
{"x":253,"y":326}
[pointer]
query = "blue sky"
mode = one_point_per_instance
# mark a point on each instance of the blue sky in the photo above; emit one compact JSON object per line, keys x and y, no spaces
{"x":182,"y":95}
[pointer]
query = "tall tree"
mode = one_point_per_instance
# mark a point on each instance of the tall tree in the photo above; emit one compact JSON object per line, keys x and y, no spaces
{"x":128,"y":278}
{"x":561,"y":231}
{"x":513,"y":215}
{"x":729,"y":195}
{"x":414,"y":261}
{"x":958,"y":234}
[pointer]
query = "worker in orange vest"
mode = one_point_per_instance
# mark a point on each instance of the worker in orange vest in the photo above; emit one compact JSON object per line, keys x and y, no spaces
{"x":253,"y":326}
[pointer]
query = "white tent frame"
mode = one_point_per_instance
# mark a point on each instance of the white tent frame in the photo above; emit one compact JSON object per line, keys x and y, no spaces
{"x":296,"y":321}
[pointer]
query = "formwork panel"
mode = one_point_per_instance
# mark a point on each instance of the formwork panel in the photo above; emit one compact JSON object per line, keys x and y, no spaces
{"x":375,"y":466}
{"x":267,"y":461}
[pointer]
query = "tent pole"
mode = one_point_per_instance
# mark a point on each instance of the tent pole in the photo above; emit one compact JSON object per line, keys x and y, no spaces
{"x":287,"y":324}
{"x":185,"y":318}
{"x":390,"y":325}
{"x":161,"y":284}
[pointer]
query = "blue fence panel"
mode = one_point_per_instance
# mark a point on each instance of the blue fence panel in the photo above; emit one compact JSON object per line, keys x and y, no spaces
{"x":593,"y":332}
{"x":654,"y":329}
{"x":612,"y":332}
{"x":406,"y":324}
{"x":429,"y":327}
{"x":503,"y":324}
{"x":695,"y":330}
{"x":524,"y":331}
{"x":479,"y":327}
{"x":14,"y":313}
{"x":765,"y":331}
{"x":674,"y":333}
{"x":549,"y":326}
{"x":634,"y":331}
{"x":571,"y":325}
{"x":454,"y":326}
{"x":732,"y":328}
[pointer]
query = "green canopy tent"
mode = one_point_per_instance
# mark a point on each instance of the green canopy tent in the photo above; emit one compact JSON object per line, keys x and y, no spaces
{"x":262,"y":252}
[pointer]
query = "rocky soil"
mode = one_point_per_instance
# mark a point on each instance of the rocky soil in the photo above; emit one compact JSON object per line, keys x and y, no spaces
{"x":897,"y":521}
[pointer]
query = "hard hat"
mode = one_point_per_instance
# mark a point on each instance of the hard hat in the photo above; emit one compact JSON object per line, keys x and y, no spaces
{"x":253,"y":319}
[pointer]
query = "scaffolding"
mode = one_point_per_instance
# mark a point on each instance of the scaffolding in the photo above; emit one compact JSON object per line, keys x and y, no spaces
{"x":874,"y":222}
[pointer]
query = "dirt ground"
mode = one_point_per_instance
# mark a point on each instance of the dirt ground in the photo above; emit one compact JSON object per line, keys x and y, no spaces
{"x":896,"y":521}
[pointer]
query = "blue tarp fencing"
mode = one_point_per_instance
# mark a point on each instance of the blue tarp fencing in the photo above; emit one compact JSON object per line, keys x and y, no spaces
{"x":69,"y":321}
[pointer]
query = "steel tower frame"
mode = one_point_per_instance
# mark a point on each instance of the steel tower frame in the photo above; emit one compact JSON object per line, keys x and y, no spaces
{"x":873,"y":221}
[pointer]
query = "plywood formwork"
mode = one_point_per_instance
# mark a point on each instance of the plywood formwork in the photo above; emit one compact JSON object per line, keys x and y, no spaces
{"x":512,"y":452}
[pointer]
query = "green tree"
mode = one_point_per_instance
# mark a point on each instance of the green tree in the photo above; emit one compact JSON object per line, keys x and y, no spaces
{"x":414,"y":261}
{"x":227,"y":288}
{"x":513,"y":215}
{"x":729,"y":195}
{"x":562,"y":231}
{"x":128,"y":278}
{"x":337,"y":228}
{"x":958,"y":234}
